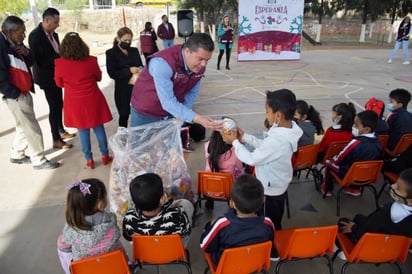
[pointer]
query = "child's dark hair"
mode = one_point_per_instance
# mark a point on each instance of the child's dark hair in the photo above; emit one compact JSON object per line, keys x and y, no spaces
{"x":82,"y":200}
{"x":247,"y":194}
{"x":406,"y":175}
{"x":348,"y":112}
{"x":146,"y":191}
{"x":401,"y":95}
{"x":282,"y":100}
{"x":368,"y":118}
{"x":216,"y":148}
{"x":266,"y":124}
{"x":312,"y":115}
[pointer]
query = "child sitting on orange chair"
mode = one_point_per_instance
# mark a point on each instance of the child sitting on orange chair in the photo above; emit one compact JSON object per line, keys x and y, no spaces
{"x":364,"y":146}
{"x":241,"y":226}
{"x":393,"y":218}
{"x":154,"y":213}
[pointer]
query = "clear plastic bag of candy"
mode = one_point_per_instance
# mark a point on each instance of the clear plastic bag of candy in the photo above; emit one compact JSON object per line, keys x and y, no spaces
{"x":155,"y":147}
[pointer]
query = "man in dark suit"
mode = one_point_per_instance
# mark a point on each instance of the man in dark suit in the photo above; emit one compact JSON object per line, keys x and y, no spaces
{"x":44,"y":45}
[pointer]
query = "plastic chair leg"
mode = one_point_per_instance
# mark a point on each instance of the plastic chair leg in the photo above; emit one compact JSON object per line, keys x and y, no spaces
{"x":287,"y":204}
{"x":338,"y":201}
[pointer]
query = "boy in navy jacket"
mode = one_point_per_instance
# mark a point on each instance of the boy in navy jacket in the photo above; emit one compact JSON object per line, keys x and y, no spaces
{"x":364,"y":146}
{"x":242,"y":227}
{"x":399,"y":120}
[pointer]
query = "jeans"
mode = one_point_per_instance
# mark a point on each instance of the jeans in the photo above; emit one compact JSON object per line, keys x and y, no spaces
{"x":84,"y":136}
{"x":398,"y":44}
{"x":138,"y":119}
{"x":167,"y":43}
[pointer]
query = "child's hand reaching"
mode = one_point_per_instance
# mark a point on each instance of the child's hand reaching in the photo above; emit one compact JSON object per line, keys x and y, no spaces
{"x":346,"y":227}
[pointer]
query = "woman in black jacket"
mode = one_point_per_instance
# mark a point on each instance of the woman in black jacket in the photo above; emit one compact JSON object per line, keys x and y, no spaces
{"x":123,"y":64}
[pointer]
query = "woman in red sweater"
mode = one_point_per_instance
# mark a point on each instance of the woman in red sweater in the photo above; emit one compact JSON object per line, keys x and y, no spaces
{"x":85,"y":106}
{"x":343,"y":115}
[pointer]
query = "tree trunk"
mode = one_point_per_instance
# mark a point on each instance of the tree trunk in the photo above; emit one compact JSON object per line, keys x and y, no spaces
{"x":371,"y":30}
{"x":362,"y":34}
{"x":390,"y":34}
{"x":33,"y":6}
{"x":318,"y":31}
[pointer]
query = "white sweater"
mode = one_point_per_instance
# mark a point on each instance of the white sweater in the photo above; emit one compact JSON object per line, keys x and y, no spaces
{"x":271,"y":157}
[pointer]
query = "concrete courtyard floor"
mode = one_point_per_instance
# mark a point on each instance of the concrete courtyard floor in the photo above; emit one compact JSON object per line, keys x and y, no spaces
{"x":32,"y":202}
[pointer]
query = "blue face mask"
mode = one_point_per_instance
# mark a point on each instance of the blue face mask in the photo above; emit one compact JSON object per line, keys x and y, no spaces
{"x":390,"y":107}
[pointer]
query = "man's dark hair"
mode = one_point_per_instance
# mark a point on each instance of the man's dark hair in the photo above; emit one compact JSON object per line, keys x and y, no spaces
{"x":368,"y":118}
{"x":146,"y":191}
{"x":401,"y":95}
{"x":247,"y":194}
{"x":11,"y":23}
{"x":282,"y":100}
{"x":200,"y":40}
{"x":50,"y":12}
{"x":406,"y":175}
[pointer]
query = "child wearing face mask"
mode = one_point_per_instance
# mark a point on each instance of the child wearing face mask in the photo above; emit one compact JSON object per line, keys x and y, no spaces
{"x":393,"y":218}
{"x":341,"y":129}
{"x":272,"y":155}
{"x":364,"y":146}
{"x":399,"y":118}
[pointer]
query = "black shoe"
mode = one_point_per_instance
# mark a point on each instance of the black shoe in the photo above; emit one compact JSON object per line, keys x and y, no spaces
{"x":218,"y":67}
{"x":209,"y":204}
{"x":274,"y":257}
{"x":24,"y":160}
{"x":47,"y":165}
{"x":227,"y":67}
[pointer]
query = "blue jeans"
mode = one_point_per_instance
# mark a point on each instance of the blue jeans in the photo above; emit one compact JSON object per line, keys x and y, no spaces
{"x":398,"y":44}
{"x":138,"y":119}
{"x":84,"y":136}
{"x":167,"y":43}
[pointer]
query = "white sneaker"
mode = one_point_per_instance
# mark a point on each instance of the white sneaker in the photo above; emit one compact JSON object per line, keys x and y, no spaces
{"x":406,"y":63}
{"x":342,"y":256}
{"x":390,"y":61}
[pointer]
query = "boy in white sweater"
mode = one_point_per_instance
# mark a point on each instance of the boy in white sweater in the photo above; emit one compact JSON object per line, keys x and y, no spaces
{"x":272,"y":155}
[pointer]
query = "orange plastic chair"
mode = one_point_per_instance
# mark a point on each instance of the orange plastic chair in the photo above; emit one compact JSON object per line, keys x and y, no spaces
{"x":374,"y":248}
{"x":242,"y":260}
{"x":113,"y":262}
{"x":389,"y":178}
{"x":334,"y":149}
{"x":305,"y":243}
{"x":305,"y":159}
{"x":160,"y":250}
{"x":401,"y":146}
{"x":213,"y":185}
{"x":362,"y":174}
{"x":383,"y":140}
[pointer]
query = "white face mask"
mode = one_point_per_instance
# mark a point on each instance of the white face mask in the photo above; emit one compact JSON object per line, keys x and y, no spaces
{"x":335,"y":122}
{"x":355,"y":131}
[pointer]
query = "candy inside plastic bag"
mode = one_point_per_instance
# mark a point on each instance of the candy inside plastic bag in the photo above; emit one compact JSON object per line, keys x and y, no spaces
{"x":228,"y":125}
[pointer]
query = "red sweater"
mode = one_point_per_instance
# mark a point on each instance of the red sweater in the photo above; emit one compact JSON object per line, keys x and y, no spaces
{"x":334,"y":135}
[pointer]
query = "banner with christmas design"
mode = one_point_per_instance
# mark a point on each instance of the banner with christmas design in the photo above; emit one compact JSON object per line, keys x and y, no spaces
{"x":270,"y":29}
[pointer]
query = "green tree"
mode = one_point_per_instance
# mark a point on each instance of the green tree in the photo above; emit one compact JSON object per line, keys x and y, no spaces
{"x":76,"y":7}
{"x":15,"y":7}
{"x":320,"y":8}
{"x":210,"y":11}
